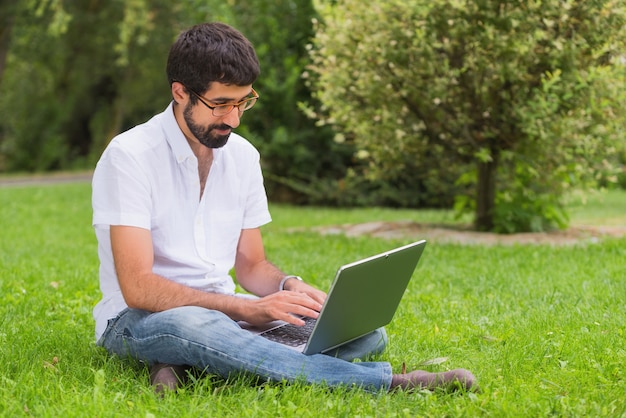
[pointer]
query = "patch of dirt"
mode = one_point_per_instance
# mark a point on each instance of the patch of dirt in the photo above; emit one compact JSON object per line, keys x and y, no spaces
{"x":447,"y":234}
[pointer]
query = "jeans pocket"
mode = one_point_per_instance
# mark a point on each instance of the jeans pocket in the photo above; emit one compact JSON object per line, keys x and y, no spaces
{"x":110,"y":325}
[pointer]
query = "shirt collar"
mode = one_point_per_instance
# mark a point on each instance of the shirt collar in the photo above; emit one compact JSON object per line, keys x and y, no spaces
{"x":176,"y":139}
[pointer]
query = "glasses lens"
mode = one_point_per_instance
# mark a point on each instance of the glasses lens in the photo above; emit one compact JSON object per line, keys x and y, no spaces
{"x":247,"y":104}
{"x":222,"y":110}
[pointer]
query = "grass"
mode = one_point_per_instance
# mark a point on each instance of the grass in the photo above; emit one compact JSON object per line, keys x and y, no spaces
{"x":542,"y":327}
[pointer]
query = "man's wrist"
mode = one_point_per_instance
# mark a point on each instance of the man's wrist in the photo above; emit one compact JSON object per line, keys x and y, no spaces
{"x":281,"y":286}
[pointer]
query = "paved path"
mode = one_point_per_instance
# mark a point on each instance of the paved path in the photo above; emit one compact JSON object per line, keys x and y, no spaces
{"x":44,"y":179}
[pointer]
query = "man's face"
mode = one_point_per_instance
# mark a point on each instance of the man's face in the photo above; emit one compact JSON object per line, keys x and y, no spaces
{"x":210,"y":130}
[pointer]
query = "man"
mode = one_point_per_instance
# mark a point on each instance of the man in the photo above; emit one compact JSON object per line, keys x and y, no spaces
{"x":178,"y":202}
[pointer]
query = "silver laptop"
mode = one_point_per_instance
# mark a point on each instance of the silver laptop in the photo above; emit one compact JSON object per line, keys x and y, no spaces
{"x":363,"y":297}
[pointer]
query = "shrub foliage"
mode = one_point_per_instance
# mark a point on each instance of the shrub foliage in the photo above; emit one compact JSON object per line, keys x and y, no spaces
{"x":504,"y":105}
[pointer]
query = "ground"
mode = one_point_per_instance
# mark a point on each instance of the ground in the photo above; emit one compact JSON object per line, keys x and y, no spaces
{"x":572,"y":235}
{"x":407,"y":229}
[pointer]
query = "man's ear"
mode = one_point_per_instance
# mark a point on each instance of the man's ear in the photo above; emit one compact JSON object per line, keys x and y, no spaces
{"x":178,"y":93}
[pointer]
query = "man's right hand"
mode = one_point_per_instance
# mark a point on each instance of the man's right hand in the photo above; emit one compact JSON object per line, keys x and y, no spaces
{"x":281,"y":306}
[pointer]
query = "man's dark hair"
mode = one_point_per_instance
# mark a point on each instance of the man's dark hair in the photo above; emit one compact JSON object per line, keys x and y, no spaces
{"x":212,"y":52}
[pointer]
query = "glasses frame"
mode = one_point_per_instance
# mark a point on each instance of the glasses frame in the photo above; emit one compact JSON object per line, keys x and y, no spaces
{"x":242,"y":106}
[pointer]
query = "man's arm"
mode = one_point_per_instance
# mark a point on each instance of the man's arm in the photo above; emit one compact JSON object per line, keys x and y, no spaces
{"x":260,"y":277}
{"x":257,"y":275}
{"x":143,"y":289}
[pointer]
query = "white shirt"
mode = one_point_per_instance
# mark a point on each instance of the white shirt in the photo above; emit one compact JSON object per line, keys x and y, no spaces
{"x":148,"y":178}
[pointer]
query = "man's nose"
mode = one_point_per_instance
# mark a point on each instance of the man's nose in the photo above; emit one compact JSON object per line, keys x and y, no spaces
{"x":233,"y":118}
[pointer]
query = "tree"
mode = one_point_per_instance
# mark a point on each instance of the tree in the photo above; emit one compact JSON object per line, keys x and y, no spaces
{"x":519,"y":101}
{"x":7,"y":18}
{"x":80,"y":72}
{"x":66,"y":68}
{"x":298,"y":156}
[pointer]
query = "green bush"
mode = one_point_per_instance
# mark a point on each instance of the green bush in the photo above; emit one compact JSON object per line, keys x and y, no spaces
{"x":516,"y":101}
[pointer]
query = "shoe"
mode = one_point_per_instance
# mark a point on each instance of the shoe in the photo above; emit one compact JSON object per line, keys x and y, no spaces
{"x":457,"y":379}
{"x":167,"y":377}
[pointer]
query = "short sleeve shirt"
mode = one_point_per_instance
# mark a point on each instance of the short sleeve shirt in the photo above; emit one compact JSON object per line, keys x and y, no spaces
{"x":148,"y":178}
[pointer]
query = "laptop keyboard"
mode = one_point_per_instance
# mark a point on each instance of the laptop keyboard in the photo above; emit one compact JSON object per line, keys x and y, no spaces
{"x":289,"y":334}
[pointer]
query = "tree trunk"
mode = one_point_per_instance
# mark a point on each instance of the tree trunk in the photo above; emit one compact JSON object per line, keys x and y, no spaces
{"x":486,"y":193}
{"x":7,"y":17}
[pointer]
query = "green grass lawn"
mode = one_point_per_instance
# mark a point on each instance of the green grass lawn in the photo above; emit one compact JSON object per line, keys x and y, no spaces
{"x":542,"y":327}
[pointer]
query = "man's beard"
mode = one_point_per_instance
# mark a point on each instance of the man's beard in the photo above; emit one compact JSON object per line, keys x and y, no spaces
{"x":205,"y":135}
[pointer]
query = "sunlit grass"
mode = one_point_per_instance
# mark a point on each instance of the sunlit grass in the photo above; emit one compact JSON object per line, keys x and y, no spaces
{"x":542,"y":327}
{"x":605,"y":208}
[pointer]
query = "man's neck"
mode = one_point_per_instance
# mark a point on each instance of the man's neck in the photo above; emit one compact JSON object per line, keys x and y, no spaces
{"x":205,"y":160}
{"x":203,"y":154}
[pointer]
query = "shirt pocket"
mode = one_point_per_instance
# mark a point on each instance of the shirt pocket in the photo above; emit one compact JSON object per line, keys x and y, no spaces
{"x":222,"y":235}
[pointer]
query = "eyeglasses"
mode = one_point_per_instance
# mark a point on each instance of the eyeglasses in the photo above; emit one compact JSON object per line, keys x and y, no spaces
{"x":225,"y":109}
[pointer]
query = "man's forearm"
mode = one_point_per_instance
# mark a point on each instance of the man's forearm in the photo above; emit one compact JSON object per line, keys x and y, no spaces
{"x":262,"y":279}
{"x":155,"y":293}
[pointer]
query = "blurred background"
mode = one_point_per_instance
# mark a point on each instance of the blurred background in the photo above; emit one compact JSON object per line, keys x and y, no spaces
{"x":500,"y":109}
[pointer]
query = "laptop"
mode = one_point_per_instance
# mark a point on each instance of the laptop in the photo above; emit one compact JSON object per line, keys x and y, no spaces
{"x":364,"y":296}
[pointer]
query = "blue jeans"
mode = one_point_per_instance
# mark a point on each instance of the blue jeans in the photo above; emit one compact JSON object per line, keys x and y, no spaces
{"x":210,"y":341}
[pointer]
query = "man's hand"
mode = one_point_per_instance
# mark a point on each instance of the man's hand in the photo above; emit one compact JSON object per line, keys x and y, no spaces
{"x":283,"y":306}
{"x":302,"y":287}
